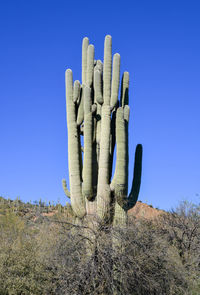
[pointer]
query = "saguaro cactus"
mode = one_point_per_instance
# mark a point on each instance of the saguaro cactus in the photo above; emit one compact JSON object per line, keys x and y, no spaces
{"x":94,"y":112}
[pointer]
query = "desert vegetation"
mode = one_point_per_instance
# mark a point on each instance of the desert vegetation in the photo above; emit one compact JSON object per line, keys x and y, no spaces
{"x":43,"y":251}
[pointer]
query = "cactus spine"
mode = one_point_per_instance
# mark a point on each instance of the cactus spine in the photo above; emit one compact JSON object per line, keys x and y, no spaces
{"x":94,"y":112}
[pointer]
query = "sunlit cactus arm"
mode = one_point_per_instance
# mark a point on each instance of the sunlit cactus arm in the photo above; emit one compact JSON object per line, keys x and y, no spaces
{"x":90,"y":65}
{"x":120,"y":179}
{"x":103,"y":189}
{"x":64,"y":185}
{"x":99,"y":66}
{"x":98,"y":96}
{"x":76,"y":91}
{"x":85,"y":45}
{"x":115,"y":80}
{"x":107,"y":67}
{"x":118,"y":184}
{"x":126,"y":120}
{"x":88,"y":139}
{"x":77,"y":200}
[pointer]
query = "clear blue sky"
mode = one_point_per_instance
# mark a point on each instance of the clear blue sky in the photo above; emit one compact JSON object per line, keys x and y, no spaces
{"x":159,"y":43}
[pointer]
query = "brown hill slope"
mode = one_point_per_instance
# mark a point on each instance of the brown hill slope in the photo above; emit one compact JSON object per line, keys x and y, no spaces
{"x":142,"y":210}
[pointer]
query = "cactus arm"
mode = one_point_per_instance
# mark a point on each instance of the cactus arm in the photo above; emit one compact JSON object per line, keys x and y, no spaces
{"x":133,"y":196}
{"x":99,"y":66}
{"x":90,"y":65}
{"x":103,"y":188}
{"x":115,"y":80}
{"x":128,"y":203}
{"x":119,"y":181}
{"x":107,"y":65}
{"x":85,"y":44}
{"x":113,"y":140}
{"x":126,"y":120}
{"x":88,"y":138}
{"x":64,"y":185}
{"x":77,"y":200}
{"x":98,"y":87}
{"x":76,"y":91}
{"x":80,"y":115}
{"x":124,"y":98}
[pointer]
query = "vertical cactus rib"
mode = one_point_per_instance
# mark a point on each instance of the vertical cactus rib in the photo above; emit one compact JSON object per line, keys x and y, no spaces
{"x":77,"y":201}
{"x":88,"y":134}
{"x":124,"y":99}
{"x":107,"y":67}
{"x":115,"y":80}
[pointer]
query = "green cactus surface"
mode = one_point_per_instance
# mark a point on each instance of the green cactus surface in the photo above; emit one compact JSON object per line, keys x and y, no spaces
{"x":97,"y":114}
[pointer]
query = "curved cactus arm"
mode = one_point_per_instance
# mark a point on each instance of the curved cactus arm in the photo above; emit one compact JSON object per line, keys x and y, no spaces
{"x":64,"y":185}
{"x":77,"y":200}
{"x":124,"y":98}
{"x":88,"y":138}
{"x":133,"y":196}
{"x":128,"y":203}
{"x":115,"y":80}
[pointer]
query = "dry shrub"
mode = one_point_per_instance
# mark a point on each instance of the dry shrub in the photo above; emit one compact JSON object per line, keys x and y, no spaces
{"x":59,"y":256}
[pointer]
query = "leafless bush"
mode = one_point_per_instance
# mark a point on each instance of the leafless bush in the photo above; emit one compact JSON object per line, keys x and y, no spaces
{"x":63,"y":256}
{"x":132,"y":260}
